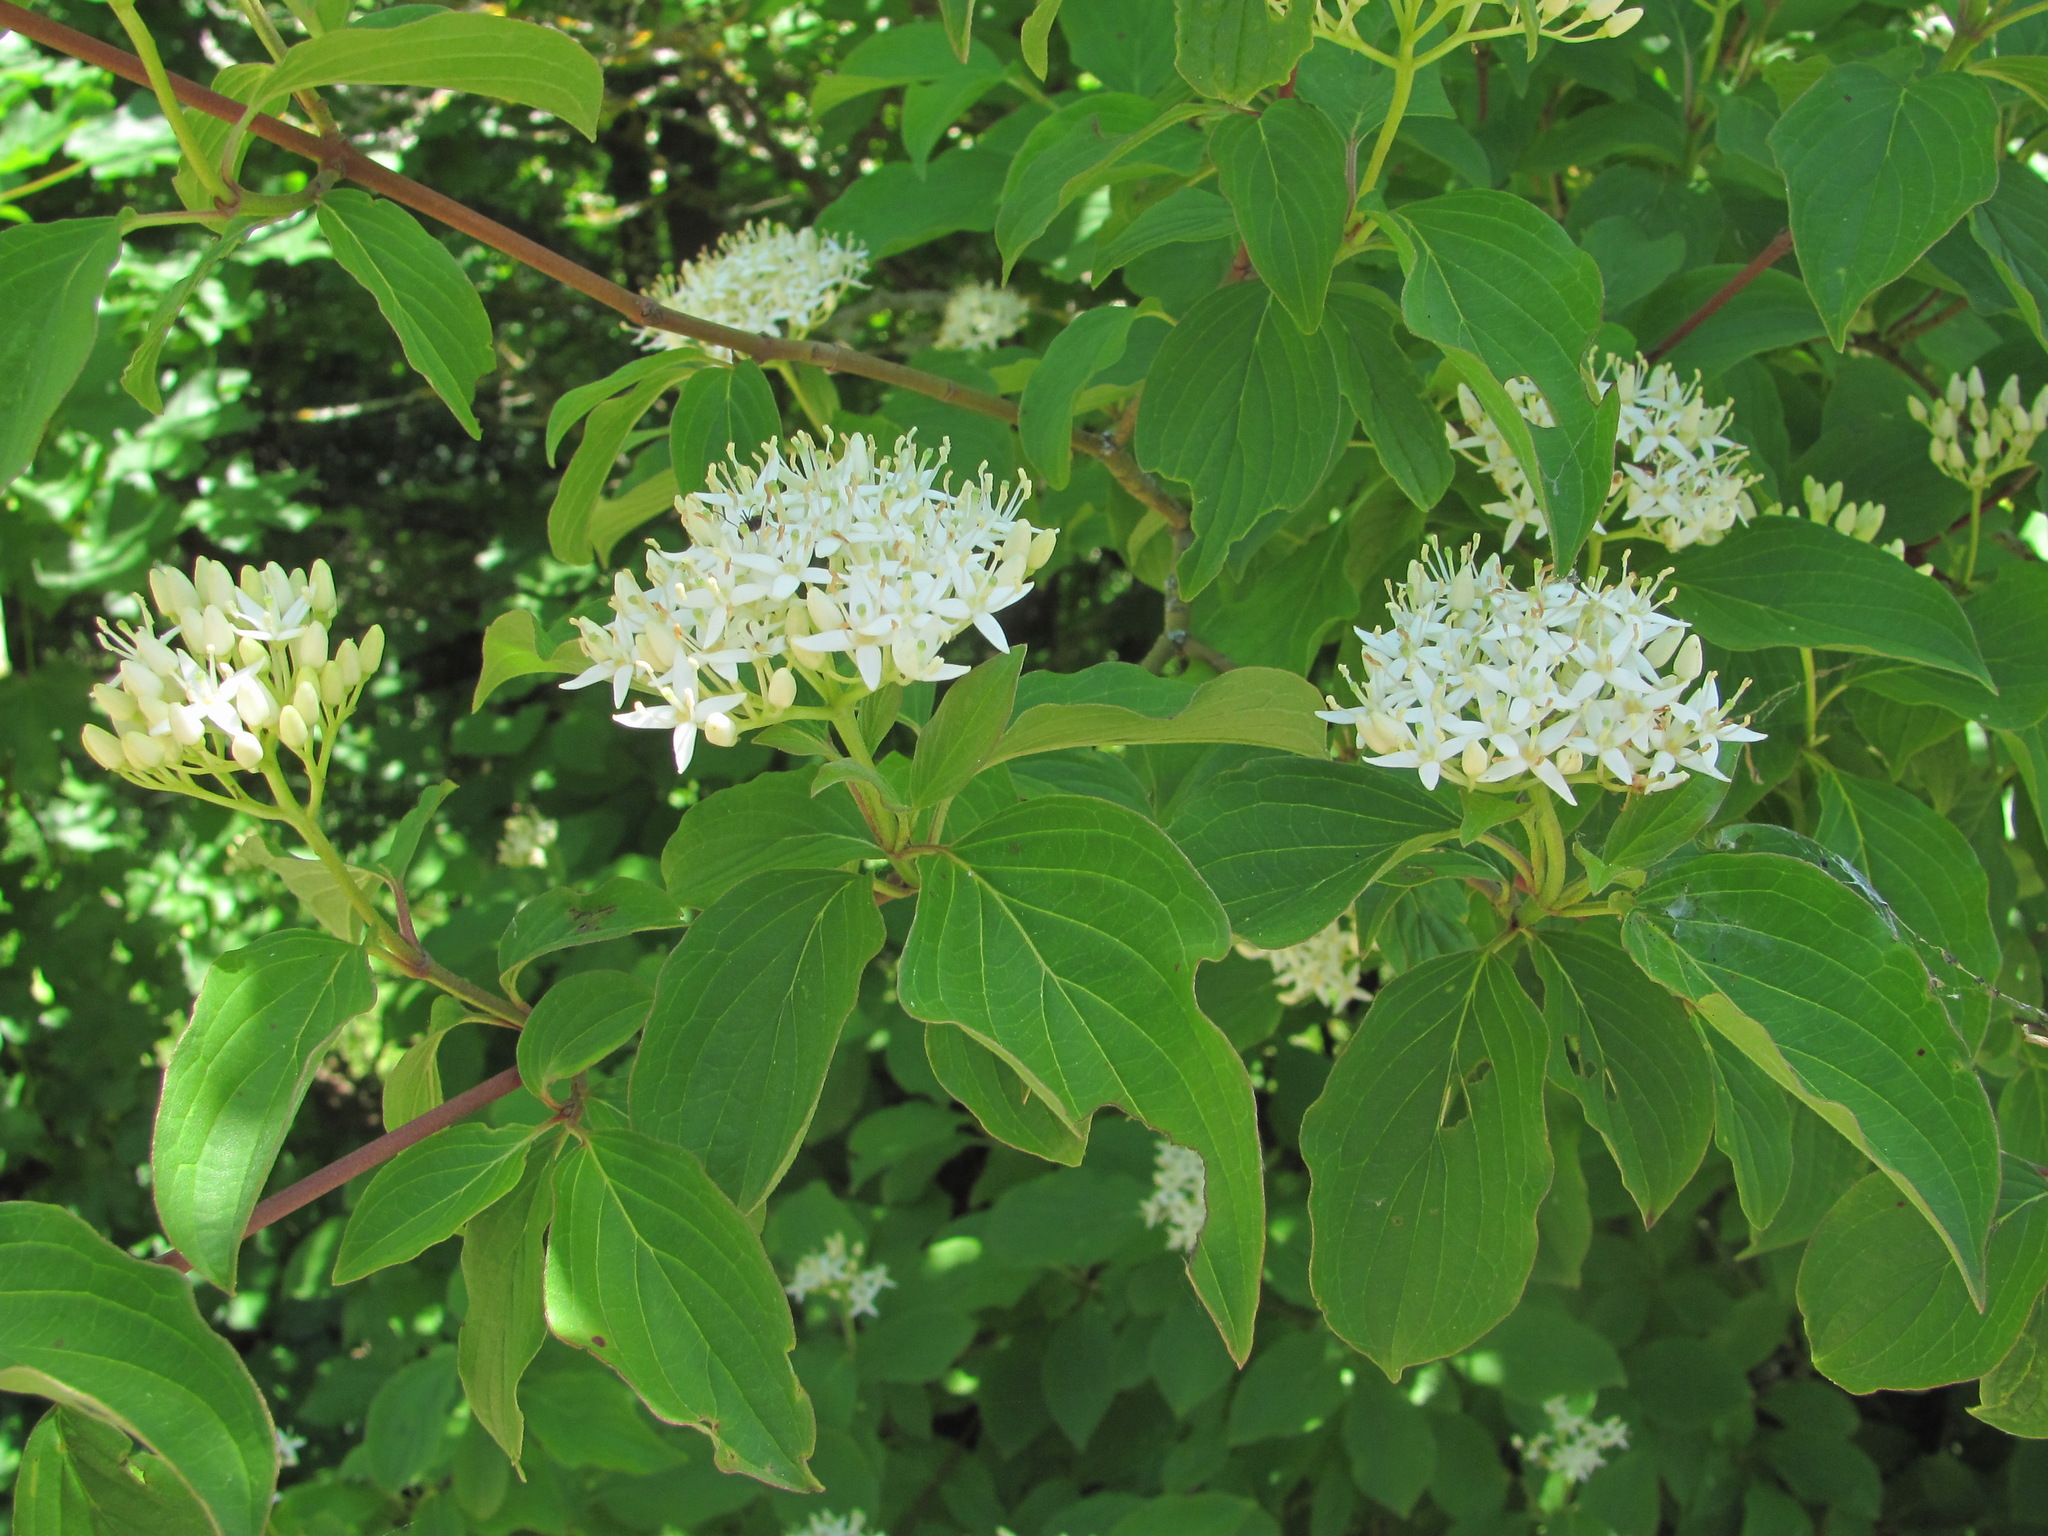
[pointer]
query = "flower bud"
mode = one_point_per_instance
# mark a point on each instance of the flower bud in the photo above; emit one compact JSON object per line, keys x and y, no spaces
{"x":113,"y":703}
{"x":825,"y":614}
{"x":216,"y":588}
{"x":143,"y":752}
{"x":1659,"y":650}
{"x":1868,"y":520}
{"x":370,"y":653}
{"x":188,"y":726}
{"x":105,"y":748}
{"x":1846,"y":522}
{"x":322,"y":589}
{"x":1380,"y":732}
{"x":251,"y":653}
{"x":1571,"y":760}
{"x":1042,"y":543}
{"x":251,"y":581}
{"x":782,"y":689}
{"x":333,"y":687}
{"x":173,"y":593}
{"x":1464,"y":589}
{"x":246,"y":750}
{"x":1621,"y":21}
{"x":719,"y":730}
{"x":1474,"y":760}
{"x":140,"y":681}
{"x":254,"y":704}
{"x":291,"y":728}
{"x":1691,"y":660}
{"x":306,"y":700}
{"x":311,"y":645}
{"x":215,"y":634}
{"x":350,"y":663}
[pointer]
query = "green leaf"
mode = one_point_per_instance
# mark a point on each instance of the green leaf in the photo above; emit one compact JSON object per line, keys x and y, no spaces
{"x":747,"y":1011}
{"x":2026,"y":72}
{"x":998,"y":1098}
{"x":1927,"y":873}
{"x":52,"y":275}
{"x":120,"y":1339}
{"x":616,"y":516}
{"x":428,"y":1193}
{"x":1884,"y":1307}
{"x":48,"y":1498}
{"x":1495,"y":277}
{"x":127,"y":1493}
{"x":563,"y":919}
{"x":1773,"y":310}
{"x":1063,"y":934}
{"x":139,"y":378}
{"x":486,"y":55}
{"x":1388,"y":1444}
{"x":1824,"y":1165}
{"x":655,"y":1272}
{"x":1876,"y":172}
{"x":395,"y":852}
{"x":2012,"y":229}
{"x":717,"y":410}
{"x":1633,"y":1058}
{"x":1045,"y":411}
{"x":1116,"y":704}
{"x":2013,"y":1396}
{"x":578,"y":403}
{"x":1803,"y":975}
{"x":1753,"y":1126}
{"x":1236,"y":48}
{"x":891,"y":210}
{"x":1652,"y":827}
{"x":425,"y":295}
{"x":1287,"y":845}
{"x":1191,"y":214}
{"x":771,"y":822}
{"x":1244,"y":409}
{"x":963,"y":731}
{"x":413,"y":1085}
{"x":1292,"y":1387}
{"x":1381,"y":386}
{"x":958,"y":16}
{"x":265,"y":1019}
{"x":1427,"y":1161}
{"x":1059,"y":149}
{"x":583,"y":483}
{"x":1037,"y":29}
{"x":2005,"y":617}
{"x":512,"y":649}
{"x":1283,"y":174}
{"x":1789,"y":581}
{"x":403,"y":1429}
{"x":578,"y":1022}
{"x":503,"y":1330}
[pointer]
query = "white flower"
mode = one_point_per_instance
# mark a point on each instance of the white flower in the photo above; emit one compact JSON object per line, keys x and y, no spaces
{"x":835,"y":1273}
{"x":1325,"y":967}
{"x":1574,"y":1445}
{"x":528,"y":837}
{"x":1178,"y":1199}
{"x":2000,"y":434}
{"x":1480,"y":681}
{"x":979,"y":315}
{"x":240,"y":668}
{"x":798,"y":561}
{"x":1824,"y":505}
{"x":825,"y":1523}
{"x":1568,"y":21}
{"x":1677,"y":473}
{"x":765,"y":278}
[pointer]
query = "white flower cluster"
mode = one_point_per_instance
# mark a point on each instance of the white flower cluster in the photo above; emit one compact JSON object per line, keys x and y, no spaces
{"x":825,"y":1523}
{"x":1325,"y":967}
{"x":835,"y":1273}
{"x":251,"y":668}
{"x":528,"y":837}
{"x":1824,"y":505}
{"x":2000,"y":433}
{"x":1574,"y":1446}
{"x":1480,"y":681}
{"x":765,"y":278}
{"x":979,"y":315}
{"x":1568,"y":21}
{"x":1678,"y":475}
{"x":1179,"y":1198}
{"x":826,"y":551}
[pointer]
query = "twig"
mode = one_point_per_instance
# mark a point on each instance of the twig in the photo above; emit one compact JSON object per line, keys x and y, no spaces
{"x":344,"y":160}
{"x":364,"y":1158}
{"x":1770,"y":255}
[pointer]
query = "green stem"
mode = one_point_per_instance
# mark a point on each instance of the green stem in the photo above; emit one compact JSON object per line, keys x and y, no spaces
{"x":167,"y":100}
{"x":1397,"y":108}
{"x":1548,"y":859}
{"x":1976,"y":527}
{"x":15,"y":194}
{"x":788,"y":371}
{"x":1812,"y":693}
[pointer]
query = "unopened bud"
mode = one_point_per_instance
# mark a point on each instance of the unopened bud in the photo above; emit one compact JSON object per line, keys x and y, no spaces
{"x":172,"y":591}
{"x":346,"y":657}
{"x":291,"y":729}
{"x":306,"y":700}
{"x":251,"y":652}
{"x":720,"y":731}
{"x":215,"y":633}
{"x":321,"y":589}
{"x":1474,"y":760}
{"x":782,"y":689}
{"x":143,"y":752}
{"x":333,"y":690}
{"x":1042,"y":543}
{"x":246,"y":750}
{"x":1691,"y":660}
{"x":311,"y":645}
{"x":1869,"y":519}
{"x":1570,"y":761}
{"x":187,"y":725}
{"x":1659,"y":650}
{"x":141,"y":681}
{"x":254,"y":704}
{"x":825,"y":614}
{"x":371,"y":652}
{"x":113,"y":703}
{"x":105,"y":748}
{"x":216,"y":587}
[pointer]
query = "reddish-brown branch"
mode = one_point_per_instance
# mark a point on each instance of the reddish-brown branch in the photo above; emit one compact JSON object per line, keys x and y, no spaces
{"x":1770,"y":255}
{"x":369,"y":1155}
{"x":346,"y":161}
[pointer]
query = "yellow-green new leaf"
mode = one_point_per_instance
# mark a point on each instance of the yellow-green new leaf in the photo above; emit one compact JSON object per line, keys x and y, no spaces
{"x":1117,"y":704}
{"x":118,"y":1338}
{"x":657,"y":1274}
{"x":515,"y":61}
